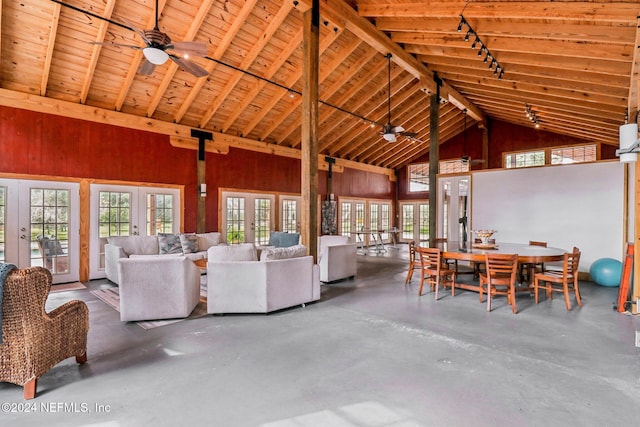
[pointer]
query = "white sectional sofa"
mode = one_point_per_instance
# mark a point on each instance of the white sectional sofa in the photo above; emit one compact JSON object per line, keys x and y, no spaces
{"x":191,"y":246}
{"x":152,"y":288}
{"x":237,"y":282}
{"x":337,"y":258}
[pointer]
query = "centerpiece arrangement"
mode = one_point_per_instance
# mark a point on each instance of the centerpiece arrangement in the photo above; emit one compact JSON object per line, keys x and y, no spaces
{"x":484,"y":236}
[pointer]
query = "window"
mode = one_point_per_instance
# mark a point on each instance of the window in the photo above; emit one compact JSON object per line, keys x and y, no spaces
{"x":345,"y":219}
{"x":159,"y":214}
{"x":524,"y":159}
{"x":114,"y":213}
{"x":577,"y":154}
{"x":419,"y":172}
{"x":235,"y":220}
{"x":454,"y":166}
{"x":552,"y":156}
{"x":262,"y":221}
{"x":419,"y":177}
{"x":289,"y":216}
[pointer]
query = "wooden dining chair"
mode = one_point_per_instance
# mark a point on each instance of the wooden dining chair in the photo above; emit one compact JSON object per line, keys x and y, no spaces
{"x":564,"y":281}
{"x":434,"y":271}
{"x":414,"y":263}
{"x":528,"y":270}
{"x":500,"y":278}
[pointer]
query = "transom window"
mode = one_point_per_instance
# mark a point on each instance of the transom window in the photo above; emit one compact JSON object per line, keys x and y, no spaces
{"x":552,"y":156}
{"x":419,"y":172}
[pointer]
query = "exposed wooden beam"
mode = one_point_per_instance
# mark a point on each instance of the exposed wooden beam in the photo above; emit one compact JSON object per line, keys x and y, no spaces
{"x":51,"y":41}
{"x":366,"y":31}
{"x":95,"y":51}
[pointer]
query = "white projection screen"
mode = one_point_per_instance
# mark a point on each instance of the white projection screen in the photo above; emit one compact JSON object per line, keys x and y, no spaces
{"x":579,"y":205}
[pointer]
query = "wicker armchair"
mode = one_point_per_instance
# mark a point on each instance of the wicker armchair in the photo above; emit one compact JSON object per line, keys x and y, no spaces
{"x":33,"y":341}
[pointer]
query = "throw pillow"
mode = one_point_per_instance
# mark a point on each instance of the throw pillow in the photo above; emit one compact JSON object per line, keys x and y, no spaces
{"x":274,"y":239}
{"x":169,"y":243}
{"x":289,"y":239}
{"x":189,"y":243}
{"x":294,"y":251}
{"x":206,"y":240}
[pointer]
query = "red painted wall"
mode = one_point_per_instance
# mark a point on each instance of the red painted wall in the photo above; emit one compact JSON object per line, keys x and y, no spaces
{"x":40,"y":144}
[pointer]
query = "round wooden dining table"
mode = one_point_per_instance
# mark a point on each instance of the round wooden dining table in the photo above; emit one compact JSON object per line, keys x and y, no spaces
{"x":530,"y":254}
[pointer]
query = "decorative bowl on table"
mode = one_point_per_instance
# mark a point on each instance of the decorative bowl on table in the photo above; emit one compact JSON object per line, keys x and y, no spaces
{"x":484,"y":235}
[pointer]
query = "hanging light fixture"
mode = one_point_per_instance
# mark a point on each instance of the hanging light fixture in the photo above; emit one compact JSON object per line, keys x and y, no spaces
{"x":531,"y":115}
{"x":483,"y":48}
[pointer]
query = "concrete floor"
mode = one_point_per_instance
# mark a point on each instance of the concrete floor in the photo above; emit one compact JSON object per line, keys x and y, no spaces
{"x":369,"y":353}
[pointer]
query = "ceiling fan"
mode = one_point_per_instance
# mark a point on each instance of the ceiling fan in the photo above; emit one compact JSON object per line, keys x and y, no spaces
{"x":389,"y":131}
{"x":157,"y":45}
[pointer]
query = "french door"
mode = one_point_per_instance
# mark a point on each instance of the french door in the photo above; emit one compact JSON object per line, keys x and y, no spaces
{"x":290,"y":213}
{"x":40,"y":226}
{"x":454,"y":207}
{"x":414,"y":221}
{"x":122,"y":210}
{"x":248,"y":217}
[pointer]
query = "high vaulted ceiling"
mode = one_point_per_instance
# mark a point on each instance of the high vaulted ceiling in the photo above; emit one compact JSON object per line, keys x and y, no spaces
{"x":574,"y":63}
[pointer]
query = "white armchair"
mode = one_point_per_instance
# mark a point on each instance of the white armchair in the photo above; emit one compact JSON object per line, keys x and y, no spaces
{"x":337,"y":258}
{"x":158,"y":288}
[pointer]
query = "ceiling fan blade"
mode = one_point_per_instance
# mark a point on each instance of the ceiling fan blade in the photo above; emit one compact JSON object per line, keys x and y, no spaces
{"x":408,"y":134}
{"x":147,"y":68}
{"x":190,"y":48}
{"x":135,"y":30}
{"x":189,"y":67}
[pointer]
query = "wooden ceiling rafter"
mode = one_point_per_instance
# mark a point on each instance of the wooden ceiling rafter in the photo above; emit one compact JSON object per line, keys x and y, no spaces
{"x":400,"y":92}
{"x":249,"y":58}
{"x":220,"y":49}
{"x":325,"y":71}
{"x":368,"y":109}
{"x":325,"y":43}
{"x":51,"y":41}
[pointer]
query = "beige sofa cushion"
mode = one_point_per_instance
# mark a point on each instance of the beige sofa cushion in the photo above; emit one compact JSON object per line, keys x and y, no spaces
{"x":283,"y":253}
{"x":241,"y":252}
{"x":140,"y":245}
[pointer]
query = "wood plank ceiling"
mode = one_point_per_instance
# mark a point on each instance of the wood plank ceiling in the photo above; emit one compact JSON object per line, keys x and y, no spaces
{"x":575,"y":63}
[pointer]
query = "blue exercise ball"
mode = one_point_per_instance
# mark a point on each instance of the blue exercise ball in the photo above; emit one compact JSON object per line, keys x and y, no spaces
{"x":606,"y":272}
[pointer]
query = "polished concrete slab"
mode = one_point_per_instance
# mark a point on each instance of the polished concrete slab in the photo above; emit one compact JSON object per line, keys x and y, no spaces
{"x":370,"y":353}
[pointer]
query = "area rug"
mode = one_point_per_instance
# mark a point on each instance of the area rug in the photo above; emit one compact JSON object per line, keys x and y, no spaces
{"x":111,"y":297}
{"x":63,"y":287}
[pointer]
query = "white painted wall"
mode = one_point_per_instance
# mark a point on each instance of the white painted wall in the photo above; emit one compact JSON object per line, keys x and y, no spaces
{"x":579,"y":205}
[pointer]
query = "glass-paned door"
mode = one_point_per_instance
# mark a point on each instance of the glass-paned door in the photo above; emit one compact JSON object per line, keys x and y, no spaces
{"x":41,"y":226}
{"x":454,"y":207}
{"x":380,"y":218}
{"x":290,"y":214}
{"x":123,"y":210}
{"x":414,"y":221}
{"x":248,"y":217}
{"x":353,"y":220}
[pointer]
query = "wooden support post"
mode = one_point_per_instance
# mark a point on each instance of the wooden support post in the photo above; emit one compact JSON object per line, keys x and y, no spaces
{"x":310,"y":145}
{"x":434,"y":159}
{"x":201,"y":180}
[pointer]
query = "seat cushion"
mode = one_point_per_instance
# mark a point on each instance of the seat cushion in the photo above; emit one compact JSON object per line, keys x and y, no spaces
{"x":241,"y":252}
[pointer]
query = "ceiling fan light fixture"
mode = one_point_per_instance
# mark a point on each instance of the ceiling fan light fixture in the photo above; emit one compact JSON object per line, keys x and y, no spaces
{"x":389,"y":137}
{"x":155,"y":56}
